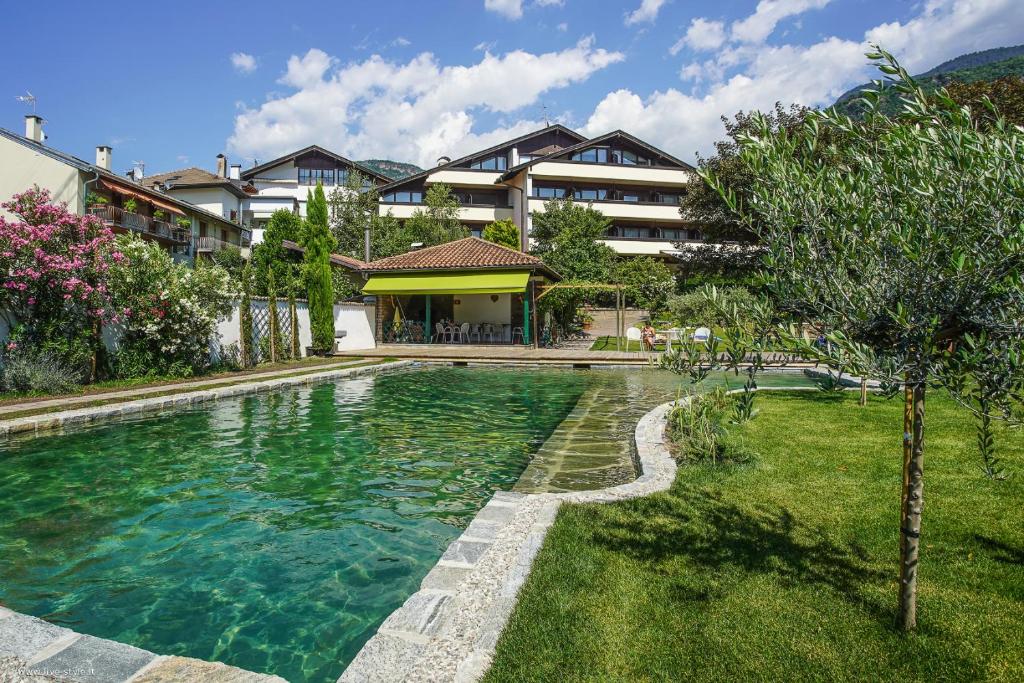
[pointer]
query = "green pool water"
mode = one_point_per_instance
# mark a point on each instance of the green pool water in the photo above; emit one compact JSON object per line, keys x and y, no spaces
{"x":275,"y":532}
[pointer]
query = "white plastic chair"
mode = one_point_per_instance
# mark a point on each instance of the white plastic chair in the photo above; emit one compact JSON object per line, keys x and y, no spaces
{"x":519,"y":331}
{"x":488,"y":332}
{"x":702,"y":334}
{"x":474,"y":330}
{"x":633,"y":334}
{"x":464,"y":333}
{"x":438,"y":333}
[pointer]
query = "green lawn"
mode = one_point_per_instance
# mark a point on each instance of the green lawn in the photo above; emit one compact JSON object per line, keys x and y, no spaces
{"x":785,"y":569}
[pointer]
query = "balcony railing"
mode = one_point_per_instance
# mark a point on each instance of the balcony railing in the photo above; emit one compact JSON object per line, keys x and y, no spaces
{"x":207,"y":244}
{"x":118,"y":217}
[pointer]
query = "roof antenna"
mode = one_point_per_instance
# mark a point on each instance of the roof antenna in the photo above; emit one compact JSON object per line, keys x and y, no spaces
{"x":544,"y":108}
{"x":27,"y":98}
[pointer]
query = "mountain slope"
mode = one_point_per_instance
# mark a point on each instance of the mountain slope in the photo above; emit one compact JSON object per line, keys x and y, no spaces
{"x":976,"y":66}
{"x":392,"y":169}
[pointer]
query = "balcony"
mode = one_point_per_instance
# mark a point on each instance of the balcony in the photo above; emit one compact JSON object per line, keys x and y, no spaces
{"x":210,"y":244}
{"x":147,"y":226}
{"x":638,"y":211}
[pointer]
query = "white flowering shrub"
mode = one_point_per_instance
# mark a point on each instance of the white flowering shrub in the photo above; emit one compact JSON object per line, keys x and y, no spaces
{"x":169,"y":311}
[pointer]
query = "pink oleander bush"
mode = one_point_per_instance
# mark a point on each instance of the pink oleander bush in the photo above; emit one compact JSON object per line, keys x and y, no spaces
{"x":53,"y":270}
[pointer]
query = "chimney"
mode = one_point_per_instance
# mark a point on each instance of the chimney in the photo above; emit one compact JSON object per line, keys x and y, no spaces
{"x":222,"y":163}
{"x":34,"y":128}
{"x":103,"y":154}
{"x":236,"y":171}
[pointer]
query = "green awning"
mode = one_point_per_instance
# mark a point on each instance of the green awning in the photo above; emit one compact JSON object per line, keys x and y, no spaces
{"x":447,"y":283}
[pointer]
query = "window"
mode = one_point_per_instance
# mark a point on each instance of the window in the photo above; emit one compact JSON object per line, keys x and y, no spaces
{"x":223,"y":235}
{"x":590,"y":195}
{"x":476,"y":231}
{"x":310,"y":176}
{"x":403,"y":197}
{"x":202,"y":228}
{"x":632,"y":159}
{"x":630,"y":197}
{"x":549,"y":192}
{"x":635,"y":233}
{"x":523,"y":158}
{"x":495,"y":163}
{"x":674,"y":234}
{"x":594,"y":155}
{"x":665,"y":198}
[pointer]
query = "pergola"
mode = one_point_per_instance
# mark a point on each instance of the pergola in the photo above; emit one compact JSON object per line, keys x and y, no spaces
{"x":620,"y":304}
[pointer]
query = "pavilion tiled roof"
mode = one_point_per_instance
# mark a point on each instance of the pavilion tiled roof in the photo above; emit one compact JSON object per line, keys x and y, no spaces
{"x":469,"y":253}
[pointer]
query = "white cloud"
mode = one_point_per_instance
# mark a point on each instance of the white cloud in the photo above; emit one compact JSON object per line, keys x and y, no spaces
{"x":401,"y":41}
{"x":813,"y":75}
{"x":549,"y":3}
{"x":948,"y":28}
{"x":759,"y":25}
{"x":510,"y":9}
{"x":243,"y":63}
{"x":701,"y":35}
{"x":646,"y":12}
{"x":485,"y":46}
{"x":415,"y":111}
{"x":563,"y":27}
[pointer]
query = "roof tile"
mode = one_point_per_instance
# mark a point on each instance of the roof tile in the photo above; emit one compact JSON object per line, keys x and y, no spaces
{"x":469,"y":252}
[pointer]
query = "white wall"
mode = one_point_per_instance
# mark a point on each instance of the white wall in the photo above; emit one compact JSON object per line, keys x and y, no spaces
{"x":478,"y":308}
{"x":356,"y":319}
{"x":21,"y":168}
{"x":213,"y":199}
{"x":359,"y":321}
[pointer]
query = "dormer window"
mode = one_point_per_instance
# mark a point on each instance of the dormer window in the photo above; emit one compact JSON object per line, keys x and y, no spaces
{"x":326,"y":176}
{"x":594,"y":155}
{"x":607,"y":155}
{"x":495,"y":163}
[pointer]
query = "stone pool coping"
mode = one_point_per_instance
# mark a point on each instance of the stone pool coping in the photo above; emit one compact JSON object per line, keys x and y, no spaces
{"x":79,"y":416}
{"x":33,"y":649}
{"x":448,"y":630}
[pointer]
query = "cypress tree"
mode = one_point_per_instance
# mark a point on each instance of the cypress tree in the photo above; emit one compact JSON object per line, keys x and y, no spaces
{"x":319,"y":243}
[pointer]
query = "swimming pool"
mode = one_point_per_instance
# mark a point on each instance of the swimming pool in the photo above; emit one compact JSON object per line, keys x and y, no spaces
{"x":275,"y":532}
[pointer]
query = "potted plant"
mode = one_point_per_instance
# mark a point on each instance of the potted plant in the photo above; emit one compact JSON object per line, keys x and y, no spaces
{"x":585,"y":320}
{"x":93,"y":199}
{"x":183,"y":222}
{"x":160,"y":215}
{"x":130,"y":205}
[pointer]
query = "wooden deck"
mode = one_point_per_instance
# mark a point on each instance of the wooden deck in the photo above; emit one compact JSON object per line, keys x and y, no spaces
{"x":477,"y":353}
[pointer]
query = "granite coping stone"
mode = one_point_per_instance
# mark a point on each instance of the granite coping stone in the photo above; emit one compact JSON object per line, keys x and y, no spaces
{"x":23,"y":636}
{"x":94,"y":660}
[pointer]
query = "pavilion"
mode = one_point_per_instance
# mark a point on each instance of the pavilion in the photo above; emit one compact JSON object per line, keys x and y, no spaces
{"x":484,"y":292}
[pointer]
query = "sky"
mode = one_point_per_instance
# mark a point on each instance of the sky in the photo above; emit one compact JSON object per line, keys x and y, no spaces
{"x":174,"y":84}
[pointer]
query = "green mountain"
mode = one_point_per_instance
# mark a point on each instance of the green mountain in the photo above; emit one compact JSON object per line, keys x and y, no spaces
{"x":392,"y":169}
{"x":986,"y":65}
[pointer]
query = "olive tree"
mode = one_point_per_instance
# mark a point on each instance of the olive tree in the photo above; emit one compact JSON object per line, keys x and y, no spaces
{"x":905,"y":242}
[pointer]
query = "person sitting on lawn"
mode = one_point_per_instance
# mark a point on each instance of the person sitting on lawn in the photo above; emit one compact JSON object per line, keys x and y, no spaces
{"x":647,"y":336}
